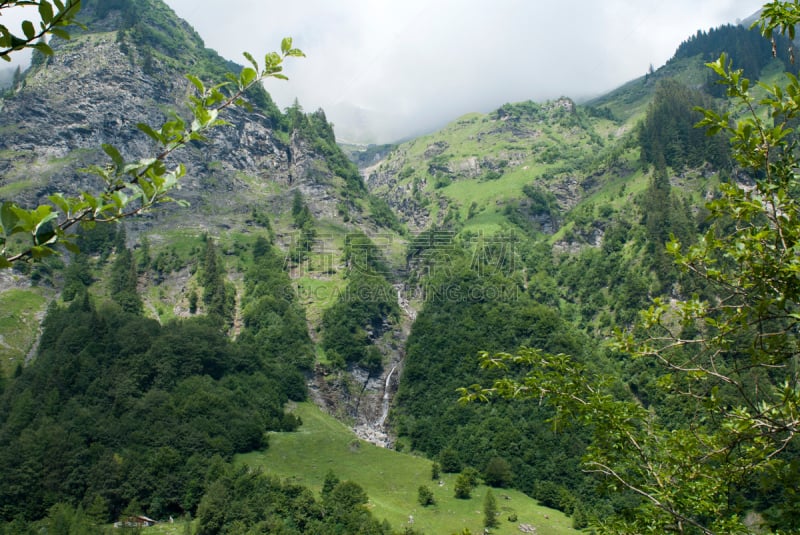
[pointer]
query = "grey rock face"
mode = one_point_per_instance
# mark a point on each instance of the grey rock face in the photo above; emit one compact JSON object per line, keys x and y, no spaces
{"x":96,"y":88}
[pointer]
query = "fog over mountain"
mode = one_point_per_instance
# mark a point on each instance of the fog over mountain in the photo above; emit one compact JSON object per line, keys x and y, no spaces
{"x":388,"y":70}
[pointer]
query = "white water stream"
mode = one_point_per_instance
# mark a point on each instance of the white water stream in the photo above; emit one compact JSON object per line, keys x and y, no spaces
{"x":386,"y":399}
{"x":373,"y":410}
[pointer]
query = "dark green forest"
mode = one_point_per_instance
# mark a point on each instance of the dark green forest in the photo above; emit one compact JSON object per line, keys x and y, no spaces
{"x":114,"y":401}
{"x":468,"y":310}
{"x":745,"y":46}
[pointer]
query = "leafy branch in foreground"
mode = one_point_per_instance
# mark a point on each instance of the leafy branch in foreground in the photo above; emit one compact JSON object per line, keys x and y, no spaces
{"x":132,"y":187}
{"x":54,"y":17}
{"x":719,"y":444}
{"x":673,"y":471}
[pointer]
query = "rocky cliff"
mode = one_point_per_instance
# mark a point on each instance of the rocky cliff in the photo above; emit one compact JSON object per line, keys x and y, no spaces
{"x":99,"y":85}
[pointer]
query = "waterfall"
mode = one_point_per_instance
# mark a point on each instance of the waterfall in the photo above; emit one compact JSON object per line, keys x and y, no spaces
{"x":405,"y":306}
{"x":385,"y":411}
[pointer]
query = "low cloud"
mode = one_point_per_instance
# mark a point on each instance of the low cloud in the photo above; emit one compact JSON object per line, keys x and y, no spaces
{"x":386,"y":70}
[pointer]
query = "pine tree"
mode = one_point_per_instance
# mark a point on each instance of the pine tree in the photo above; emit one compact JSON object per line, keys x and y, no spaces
{"x":330,"y":482}
{"x":144,"y":254}
{"x":124,"y":281}
{"x":463,"y":487}
{"x":435,"y":468}
{"x":490,"y":511}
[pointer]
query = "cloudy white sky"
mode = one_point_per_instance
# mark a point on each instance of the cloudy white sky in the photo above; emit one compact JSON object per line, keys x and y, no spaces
{"x":387,"y":69}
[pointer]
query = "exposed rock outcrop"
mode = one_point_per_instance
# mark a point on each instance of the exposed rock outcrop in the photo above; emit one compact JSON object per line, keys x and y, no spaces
{"x":95,"y":90}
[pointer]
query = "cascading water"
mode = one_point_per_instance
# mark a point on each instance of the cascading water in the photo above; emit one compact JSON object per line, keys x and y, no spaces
{"x":366,"y":397}
{"x":386,"y":399}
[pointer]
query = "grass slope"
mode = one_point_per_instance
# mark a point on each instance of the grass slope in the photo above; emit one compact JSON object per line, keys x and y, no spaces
{"x":391,"y":480}
{"x":477,"y":166}
{"x":21,"y":312}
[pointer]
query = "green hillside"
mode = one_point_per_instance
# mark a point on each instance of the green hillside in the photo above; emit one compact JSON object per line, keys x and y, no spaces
{"x":473,"y":173}
{"x":392,"y":479}
{"x":21,"y":315}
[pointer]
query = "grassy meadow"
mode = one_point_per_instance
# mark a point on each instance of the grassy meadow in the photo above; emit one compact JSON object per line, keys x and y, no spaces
{"x":21,"y":310}
{"x":392,"y":479}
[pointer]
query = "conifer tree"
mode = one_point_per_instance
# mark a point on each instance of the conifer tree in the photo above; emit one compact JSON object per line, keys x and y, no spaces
{"x":124,"y":281}
{"x":490,"y":511}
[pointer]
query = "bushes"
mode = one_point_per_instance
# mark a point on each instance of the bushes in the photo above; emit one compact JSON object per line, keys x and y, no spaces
{"x":425,"y":496}
{"x":246,"y":500}
{"x":498,"y":472}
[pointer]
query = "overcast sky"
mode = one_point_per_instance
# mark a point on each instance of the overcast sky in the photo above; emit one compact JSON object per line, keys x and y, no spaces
{"x":387,"y":69}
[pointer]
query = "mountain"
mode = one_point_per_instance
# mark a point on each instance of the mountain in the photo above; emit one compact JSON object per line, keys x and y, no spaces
{"x":123,"y":71}
{"x":129,"y":67}
{"x":205,"y":294}
{"x":529,"y":164}
{"x":173,"y":344}
{"x":545,"y":225}
{"x":474,"y":170}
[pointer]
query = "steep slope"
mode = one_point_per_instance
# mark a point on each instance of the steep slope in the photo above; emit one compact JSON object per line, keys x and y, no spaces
{"x":567,"y":177}
{"x":548,"y":230}
{"x":245,"y":181}
{"x":98,"y":86}
{"x":472,"y":171}
{"x":268,"y":182}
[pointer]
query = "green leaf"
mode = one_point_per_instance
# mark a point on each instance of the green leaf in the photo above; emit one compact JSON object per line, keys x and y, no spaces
{"x":8,"y":218}
{"x":26,"y":220}
{"x":41,"y":251}
{"x":247,"y":77}
{"x":286,"y":45}
{"x":197,"y":136}
{"x":45,"y":11}
{"x":114,"y":154}
{"x":147,"y":129}
{"x":63,"y":34}
{"x":31,"y":220}
{"x":271,"y":60}
{"x":71,"y":247}
{"x":120,"y":200}
{"x":89,"y":199}
{"x":197,"y":83}
{"x":60,"y":202}
{"x":44,"y":48}
{"x":28,"y":29}
{"x":46,"y":236}
{"x":251,"y":59}
{"x":45,"y":219}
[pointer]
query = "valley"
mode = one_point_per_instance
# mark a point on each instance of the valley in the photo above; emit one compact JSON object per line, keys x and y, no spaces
{"x":555,"y":317}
